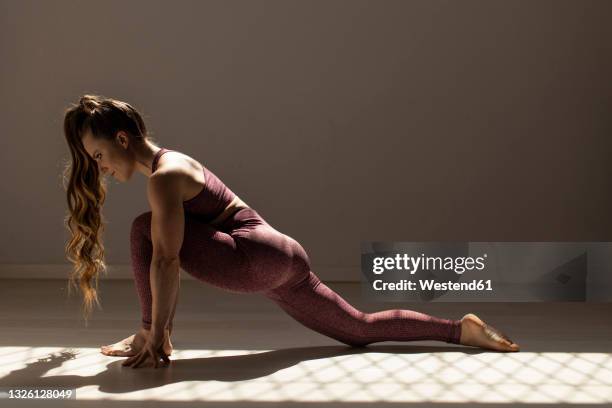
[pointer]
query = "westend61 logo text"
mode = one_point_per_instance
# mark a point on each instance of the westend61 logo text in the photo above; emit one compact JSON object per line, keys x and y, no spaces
{"x":428,"y":263}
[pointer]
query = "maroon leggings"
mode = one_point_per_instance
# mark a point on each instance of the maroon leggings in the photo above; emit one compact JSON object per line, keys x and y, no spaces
{"x":246,"y":254}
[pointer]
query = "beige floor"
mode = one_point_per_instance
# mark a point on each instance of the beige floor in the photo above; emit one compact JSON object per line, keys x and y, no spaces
{"x":243,"y":351}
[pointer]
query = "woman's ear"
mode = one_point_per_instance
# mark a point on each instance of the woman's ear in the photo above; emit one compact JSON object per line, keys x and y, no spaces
{"x":123,"y":139}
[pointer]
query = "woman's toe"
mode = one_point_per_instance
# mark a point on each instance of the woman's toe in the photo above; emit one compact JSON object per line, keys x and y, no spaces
{"x":509,"y":345}
{"x":514,"y":347}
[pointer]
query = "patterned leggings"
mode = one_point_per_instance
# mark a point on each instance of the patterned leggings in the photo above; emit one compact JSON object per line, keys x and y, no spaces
{"x":246,"y":254}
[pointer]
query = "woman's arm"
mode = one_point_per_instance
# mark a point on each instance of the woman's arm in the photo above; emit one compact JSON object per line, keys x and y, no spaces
{"x":164,"y":279}
{"x":167,"y":230}
{"x":171,"y":319}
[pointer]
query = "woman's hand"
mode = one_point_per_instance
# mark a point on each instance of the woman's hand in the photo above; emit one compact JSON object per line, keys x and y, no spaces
{"x":152,"y":349}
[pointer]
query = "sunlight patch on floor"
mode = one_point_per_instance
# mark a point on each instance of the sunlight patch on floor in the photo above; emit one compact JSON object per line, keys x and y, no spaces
{"x":257,"y":375}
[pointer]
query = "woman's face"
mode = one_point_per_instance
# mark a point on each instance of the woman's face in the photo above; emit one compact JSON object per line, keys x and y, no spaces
{"x":113,"y":157}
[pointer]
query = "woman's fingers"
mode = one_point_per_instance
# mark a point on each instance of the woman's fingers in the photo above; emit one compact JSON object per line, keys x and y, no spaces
{"x":162,"y":354}
{"x":143,"y":355}
{"x":130,"y":361}
{"x":141,"y":359}
{"x":165,"y":357}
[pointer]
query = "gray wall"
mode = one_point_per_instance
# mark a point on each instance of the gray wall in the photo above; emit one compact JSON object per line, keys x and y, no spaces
{"x":338,"y":121}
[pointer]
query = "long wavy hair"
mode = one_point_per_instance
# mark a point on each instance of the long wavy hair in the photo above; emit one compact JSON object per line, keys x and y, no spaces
{"x":86,"y":188}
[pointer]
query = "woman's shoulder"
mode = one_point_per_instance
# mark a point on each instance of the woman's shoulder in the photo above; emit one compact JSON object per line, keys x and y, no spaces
{"x":175,"y":161}
{"x":182,"y":167}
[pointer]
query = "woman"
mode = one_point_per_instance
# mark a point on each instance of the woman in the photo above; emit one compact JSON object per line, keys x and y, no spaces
{"x":199,"y":224}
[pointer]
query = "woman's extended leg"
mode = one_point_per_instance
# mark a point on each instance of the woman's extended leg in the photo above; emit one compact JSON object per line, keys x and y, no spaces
{"x":318,"y":307}
{"x":281,"y":261}
{"x":304,"y":297}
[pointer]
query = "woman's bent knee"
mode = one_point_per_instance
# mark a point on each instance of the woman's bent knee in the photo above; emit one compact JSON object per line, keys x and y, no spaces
{"x":142,"y":223}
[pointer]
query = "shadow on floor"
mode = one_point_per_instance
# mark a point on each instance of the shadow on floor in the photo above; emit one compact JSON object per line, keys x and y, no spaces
{"x":118,"y":379}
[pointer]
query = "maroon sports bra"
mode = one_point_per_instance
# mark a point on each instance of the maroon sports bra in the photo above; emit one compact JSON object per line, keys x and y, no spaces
{"x":214,"y":197}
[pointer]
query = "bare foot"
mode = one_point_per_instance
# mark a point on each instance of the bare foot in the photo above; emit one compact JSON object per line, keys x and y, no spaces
{"x":130,"y":346}
{"x":475,"y":332}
